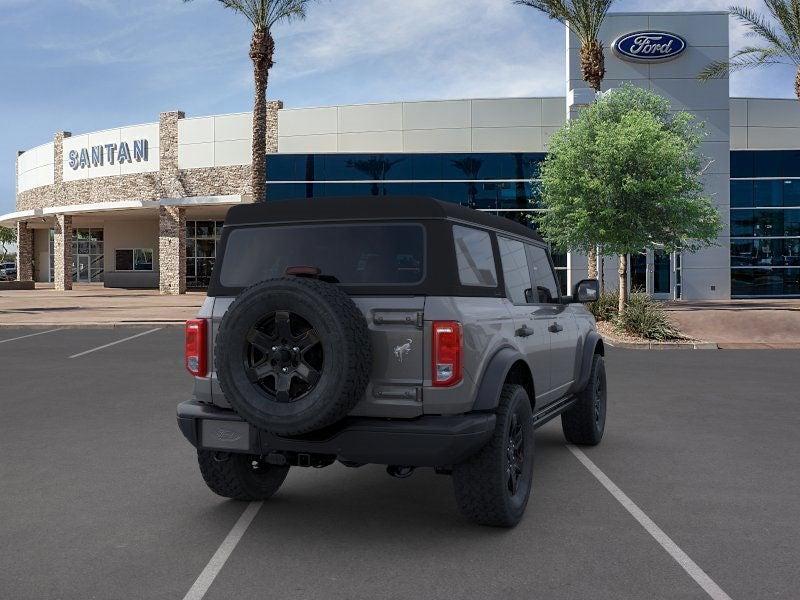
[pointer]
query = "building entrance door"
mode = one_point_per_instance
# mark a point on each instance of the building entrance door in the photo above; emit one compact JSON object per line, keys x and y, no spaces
{"x":662,"y":272}
{"x":83,"y":269}
{"x":652,"y":272}
{"x":638,"y":272}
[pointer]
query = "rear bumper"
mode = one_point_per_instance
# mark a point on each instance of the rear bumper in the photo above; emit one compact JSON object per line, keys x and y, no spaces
{"x":429,"y":441}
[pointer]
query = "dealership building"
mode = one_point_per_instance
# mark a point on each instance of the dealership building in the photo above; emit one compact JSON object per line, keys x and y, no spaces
{"x":142,"y":206}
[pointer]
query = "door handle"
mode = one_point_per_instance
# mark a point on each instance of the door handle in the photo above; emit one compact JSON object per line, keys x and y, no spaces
{"x":523,"y":331}
{"x":555,"y":328}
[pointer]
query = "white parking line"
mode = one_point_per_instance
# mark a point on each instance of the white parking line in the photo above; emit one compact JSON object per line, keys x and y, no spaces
{"x":695,"y":572}
{"x":214,"y":566}
{"x":115,"y":343}
{"x":22,"y":337}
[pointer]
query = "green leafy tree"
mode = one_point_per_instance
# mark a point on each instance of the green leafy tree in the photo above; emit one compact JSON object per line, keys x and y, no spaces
{"x":626,"y":175}
{"x":778,"y":36}
{"x":263,"y":15}
{"x":8,"y":236}
{"x":584,"y":19}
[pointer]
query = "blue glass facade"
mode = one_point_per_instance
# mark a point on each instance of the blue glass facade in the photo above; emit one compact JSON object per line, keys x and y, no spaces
{"x":480,"y":180}
{"x":502,"y":182}
{"x":765,"y":223}
{"x":764,"y":214}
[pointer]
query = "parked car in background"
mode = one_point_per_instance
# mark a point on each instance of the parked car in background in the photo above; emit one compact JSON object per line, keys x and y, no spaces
{"x":8,"y":271}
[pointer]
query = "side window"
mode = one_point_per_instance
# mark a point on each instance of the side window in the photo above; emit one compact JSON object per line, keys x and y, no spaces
{"x":515,"y":271}
{"x":542,"y":274}
{"x":475,"y":257}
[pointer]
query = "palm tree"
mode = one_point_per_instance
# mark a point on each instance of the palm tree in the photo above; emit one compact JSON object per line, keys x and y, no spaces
{"x":263,"y":15}
{"x":780,"y":42}
{"x":584,"y":19}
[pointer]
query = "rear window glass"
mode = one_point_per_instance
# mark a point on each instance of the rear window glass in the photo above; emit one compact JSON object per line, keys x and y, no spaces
{"x":475,"y":257}
{"x":391,"y":254}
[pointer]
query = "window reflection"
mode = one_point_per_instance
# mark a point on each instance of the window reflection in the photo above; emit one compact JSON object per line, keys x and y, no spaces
{"x":765,"y":241}
{"x":201,"y":251}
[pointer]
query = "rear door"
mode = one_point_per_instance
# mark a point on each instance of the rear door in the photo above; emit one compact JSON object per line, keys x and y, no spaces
{"x":556,"y":318}
{"x":530,"y":330}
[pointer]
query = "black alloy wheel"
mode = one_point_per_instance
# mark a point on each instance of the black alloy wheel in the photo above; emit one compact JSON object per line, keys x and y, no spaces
{"x":283,"y":356}
{"x":515,"y":454}
{"x":293,"y":355}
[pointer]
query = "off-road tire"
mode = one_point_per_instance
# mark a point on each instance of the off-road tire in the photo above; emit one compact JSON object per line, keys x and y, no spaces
{"x":585,"y":421}
{"x":345,"y":341}
{"x":481,"y":482}
{"x":232,"y":476}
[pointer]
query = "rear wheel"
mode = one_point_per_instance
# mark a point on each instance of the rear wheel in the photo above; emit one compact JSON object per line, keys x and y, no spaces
{"x":493,"y":486}
{"x":240,"y":476}
{"x":585,"y":422}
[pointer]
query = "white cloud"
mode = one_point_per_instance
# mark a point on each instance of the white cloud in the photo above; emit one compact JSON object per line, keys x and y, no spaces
{"x":420,"y":48}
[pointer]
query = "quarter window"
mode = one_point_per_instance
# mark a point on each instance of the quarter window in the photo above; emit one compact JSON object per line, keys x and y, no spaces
{"x":475,"y":257}
{"x":542,"y":275}
{"x":515,"y":271}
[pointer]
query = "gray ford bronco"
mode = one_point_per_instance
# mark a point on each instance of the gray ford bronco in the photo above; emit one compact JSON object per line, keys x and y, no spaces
{"x":405,"y":332}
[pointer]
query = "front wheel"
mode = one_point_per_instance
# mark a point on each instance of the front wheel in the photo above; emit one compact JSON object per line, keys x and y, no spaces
{"x":240,"y":476}
{"x":493,"y":486}
{"x":585,"y":421}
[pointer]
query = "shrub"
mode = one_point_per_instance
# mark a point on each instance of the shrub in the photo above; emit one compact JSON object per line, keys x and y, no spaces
{"x":646,"y":318}
{"x":605,"y":308}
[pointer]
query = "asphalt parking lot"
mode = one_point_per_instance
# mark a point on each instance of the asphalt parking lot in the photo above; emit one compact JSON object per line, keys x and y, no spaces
{"x":101,"y":496}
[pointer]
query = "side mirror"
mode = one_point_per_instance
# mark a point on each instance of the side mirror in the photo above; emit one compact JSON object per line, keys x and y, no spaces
{"x":586,"y":291}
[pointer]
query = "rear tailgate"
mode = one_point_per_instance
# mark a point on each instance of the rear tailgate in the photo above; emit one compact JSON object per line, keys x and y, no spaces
{"x":397,"y":335}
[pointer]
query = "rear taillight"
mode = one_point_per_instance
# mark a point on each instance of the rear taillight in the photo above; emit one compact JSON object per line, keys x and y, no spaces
{"x":196,"y":355}
{"x":446,"y":353}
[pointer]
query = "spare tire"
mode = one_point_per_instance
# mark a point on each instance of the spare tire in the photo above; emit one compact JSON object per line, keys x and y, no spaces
{"x":293,"y":355}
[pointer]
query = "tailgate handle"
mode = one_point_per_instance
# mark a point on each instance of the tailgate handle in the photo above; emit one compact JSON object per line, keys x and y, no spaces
{"x":398,"y":318}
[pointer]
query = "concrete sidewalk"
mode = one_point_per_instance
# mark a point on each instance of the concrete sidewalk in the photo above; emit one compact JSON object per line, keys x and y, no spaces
{"x":740,"y":323}
{"x":94,"y":305}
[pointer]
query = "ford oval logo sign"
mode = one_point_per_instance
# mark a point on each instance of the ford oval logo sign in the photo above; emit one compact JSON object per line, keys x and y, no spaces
{"x":649,"y":46}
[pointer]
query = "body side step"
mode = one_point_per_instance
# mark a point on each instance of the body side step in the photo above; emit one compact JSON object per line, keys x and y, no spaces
{"x":552,"y":410}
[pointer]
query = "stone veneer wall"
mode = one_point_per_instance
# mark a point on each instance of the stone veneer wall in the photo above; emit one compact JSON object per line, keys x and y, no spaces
{"x":62,"y":251}
{"x":217,"y":181}
{"x":171,"y":250}
{"x":169,"y":182}
{"x":24,"y":252}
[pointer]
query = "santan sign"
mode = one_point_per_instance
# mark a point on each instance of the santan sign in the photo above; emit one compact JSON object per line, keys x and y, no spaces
{"x":649,"y":46}
{"x":97,"y":156}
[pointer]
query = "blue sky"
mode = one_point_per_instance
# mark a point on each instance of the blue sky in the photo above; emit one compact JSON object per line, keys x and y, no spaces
{"x":84,"y":65}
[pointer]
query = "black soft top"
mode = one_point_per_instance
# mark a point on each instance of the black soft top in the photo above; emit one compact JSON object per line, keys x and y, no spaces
{"x":368,"y":208}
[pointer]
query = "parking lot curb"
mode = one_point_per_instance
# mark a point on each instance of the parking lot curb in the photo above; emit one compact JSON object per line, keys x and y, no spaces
{"x":662,"y":345}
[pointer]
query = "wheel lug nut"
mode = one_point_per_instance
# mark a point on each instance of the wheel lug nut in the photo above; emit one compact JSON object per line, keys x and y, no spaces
{"x":295,"y":349}
{"x":274,"y":348}
{"x":285,"y":369}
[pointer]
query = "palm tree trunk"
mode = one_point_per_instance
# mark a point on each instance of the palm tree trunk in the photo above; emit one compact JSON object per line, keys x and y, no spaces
{"x":797,"y":84}
{"x":593,"y":70}
{"x":623,"y":282}
{"x":262,"y":48}
{"x":593,"y":67}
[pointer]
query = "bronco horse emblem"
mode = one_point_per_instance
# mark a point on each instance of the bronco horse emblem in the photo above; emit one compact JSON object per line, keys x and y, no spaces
{"x":403,"y":350}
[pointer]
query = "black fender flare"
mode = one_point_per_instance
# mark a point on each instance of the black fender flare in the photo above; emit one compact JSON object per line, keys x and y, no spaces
{"x":591,"y":346}
{"x":494,"y":376}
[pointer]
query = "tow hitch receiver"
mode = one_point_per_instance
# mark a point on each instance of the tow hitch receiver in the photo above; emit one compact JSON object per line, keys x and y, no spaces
{"x":399,"y":471}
